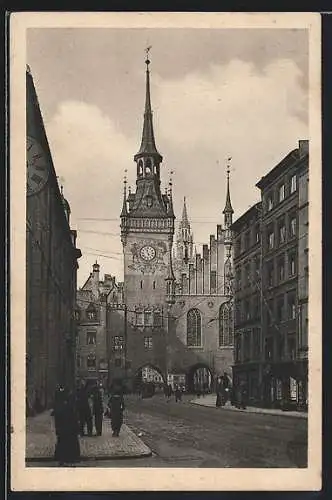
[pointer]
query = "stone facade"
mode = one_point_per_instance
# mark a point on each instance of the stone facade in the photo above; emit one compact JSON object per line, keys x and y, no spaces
{"x":93,"y":342}
{"x":280,"y":378}
{"x":162,"y":288}
{"x":51,"y":270}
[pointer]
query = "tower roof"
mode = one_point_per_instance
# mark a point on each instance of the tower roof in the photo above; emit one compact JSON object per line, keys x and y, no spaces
{"x":228,"y":205}
{"x":184,"y":219}
{"x":148,"y":145}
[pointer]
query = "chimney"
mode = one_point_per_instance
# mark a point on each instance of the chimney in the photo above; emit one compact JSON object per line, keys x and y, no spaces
{"x":303,"y":147}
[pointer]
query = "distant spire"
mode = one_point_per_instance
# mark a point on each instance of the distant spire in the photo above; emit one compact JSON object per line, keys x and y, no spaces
{"x":184,"y":220}
{"x":228,"y":205}
{"x":124,"y":211}
{"x":148,"y":145}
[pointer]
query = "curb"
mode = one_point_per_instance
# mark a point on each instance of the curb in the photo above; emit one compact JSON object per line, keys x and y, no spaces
{"x":84,"y":458}
{"x":238,"y":410}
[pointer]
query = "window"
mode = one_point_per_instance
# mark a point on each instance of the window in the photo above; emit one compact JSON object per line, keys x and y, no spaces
{"x":141,"y":284}
{"x":118,"y":362}
{"x":148,"y":342}
{"x":256,"y":306}
{"x":118,"y":343}
{"x":280,"y":309}
{"x":270,"y":273}
{"x":292,"y":263}
{"x":91,"y":338}
{"x":247,"y":240}
{"x":226,"y":324}
{"x":246,"y":345}
{"x":213,"y":281}
{"x":257,"y":233}
{"x":91,"y":362}
{"x":291,"y":347}
{"x":139,"y":318}
{"x":270,"y":312}
{"x":238,"y":274}
{"x":269,"y":348}
{"x":282,"y":231}
{"x":194,"y":333}
{"x":281,"y":269}
{"x":148,"y":318}
{"x":78,"y":361}
{"x":291,"y":301}
{"x":91,"y":314}
{"x":154,"y":285}
{"x":269,"y":202}
{"x":256,"y":341}
{"x":281,"y":193}
{"x":292,"y":226}
{"x":270,"y":238}
{"x":247,"y":275}
{"x":293,"y":184}
{"x":157,"y":319}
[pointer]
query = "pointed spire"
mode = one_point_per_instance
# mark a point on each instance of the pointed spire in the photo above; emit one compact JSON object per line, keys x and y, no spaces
{"x":184,"y":220}
{"x":148,"y":145}
{"x":228,"y":205}
{"x":124,"y":211}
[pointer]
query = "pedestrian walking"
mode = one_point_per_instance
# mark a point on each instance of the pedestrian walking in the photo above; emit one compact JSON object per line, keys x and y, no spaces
{"x":177,"y":393}
{"x":224,"y":389}
{"x":98,"y":410}
{"x":67,"y":449}
{"x":116,"y":408}
{"x":243,"y":395}
{"x":84,"y":410}
{"x":218,"y":392}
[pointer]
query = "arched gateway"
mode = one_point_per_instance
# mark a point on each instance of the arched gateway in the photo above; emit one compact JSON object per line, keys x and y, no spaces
{"x":199,"y":378}
{"x":149,"y":374}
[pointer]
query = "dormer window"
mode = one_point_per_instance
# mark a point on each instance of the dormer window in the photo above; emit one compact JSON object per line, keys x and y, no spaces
{"x":149,"y":201}
{"x":91,"y":313}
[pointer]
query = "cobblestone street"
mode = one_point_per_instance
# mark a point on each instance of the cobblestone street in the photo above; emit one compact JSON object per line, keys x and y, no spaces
{"x":187,"y":435}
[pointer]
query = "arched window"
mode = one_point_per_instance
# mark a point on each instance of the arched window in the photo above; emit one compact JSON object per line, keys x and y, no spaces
{"x":194,"y":328}
{"x":226,"y":324}
{"x":140,"y":167}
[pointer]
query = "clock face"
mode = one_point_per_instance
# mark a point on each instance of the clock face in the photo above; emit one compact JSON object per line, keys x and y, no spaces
{"x":148,"y":253}
{"x":37,"y":167}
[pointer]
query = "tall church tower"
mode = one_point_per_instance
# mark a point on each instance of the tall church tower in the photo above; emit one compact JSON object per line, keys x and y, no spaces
{"x":228,"y":240}
{"x":147,"y":228}
{"x":184,"y":246}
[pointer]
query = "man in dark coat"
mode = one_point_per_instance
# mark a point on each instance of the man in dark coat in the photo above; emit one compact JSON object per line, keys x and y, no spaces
{"x":116,"y":408}
{"x":67,"y":449}
{"x":84,"y":411}
{"x":98,"y":410}
{"x":219,"y":392}
{"x":224,"y":388}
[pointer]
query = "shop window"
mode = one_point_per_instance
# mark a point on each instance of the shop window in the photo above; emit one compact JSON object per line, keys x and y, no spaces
{"x":194,"y":332}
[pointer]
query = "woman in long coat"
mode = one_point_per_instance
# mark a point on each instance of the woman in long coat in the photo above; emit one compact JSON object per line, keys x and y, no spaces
{"x":67,"y":450}
{"x":116,"y":407}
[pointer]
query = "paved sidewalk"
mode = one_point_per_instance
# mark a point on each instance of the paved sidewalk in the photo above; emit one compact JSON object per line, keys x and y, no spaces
{"x":210,"y":400}
{"x":40,"y":442}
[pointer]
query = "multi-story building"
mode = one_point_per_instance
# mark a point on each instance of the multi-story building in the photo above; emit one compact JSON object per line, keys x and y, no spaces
{"x":281,"y":374}
{"x":51,"y":269}
{"x":170,"y":326}
{"x":247,"y":300}
{"x":93,"y":343}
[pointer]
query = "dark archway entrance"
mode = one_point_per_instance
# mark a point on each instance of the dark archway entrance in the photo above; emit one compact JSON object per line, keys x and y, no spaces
{"x":199,"y":379}
{"x":149,"y":375}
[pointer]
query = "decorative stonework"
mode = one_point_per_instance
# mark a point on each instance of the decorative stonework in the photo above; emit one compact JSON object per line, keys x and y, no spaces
{"x":158,"y":263}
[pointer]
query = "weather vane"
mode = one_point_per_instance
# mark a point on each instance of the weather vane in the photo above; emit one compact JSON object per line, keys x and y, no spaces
{"x":147,"y":50}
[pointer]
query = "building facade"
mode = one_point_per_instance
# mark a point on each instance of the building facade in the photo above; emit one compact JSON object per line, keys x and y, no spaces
{"x":247,"y":300}
{"x":172,"y":300}
{"x":93,"y":343}
{"x":51,"y":269}
{"x":283,"y":285}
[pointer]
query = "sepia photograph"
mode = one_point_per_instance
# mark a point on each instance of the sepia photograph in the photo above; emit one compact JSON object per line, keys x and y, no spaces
{"x":166,"y":311}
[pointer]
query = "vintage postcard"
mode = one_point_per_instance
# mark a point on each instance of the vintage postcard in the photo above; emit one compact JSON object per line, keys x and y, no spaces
{"x":165,"y":196}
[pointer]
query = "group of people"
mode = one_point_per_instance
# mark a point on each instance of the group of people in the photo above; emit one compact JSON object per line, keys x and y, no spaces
{"x":238,"y":395}
{"x":76,"y":413}
{"x":178,"y":391}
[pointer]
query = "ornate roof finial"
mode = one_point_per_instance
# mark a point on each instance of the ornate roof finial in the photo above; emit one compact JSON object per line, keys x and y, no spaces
{"x":170,"y":183}
{"x":148,"y":145}
{"x":228,"y":205}
{"x":124,"y":204}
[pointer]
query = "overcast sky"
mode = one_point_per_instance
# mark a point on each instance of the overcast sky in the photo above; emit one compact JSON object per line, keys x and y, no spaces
{"x":215,"y":93}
